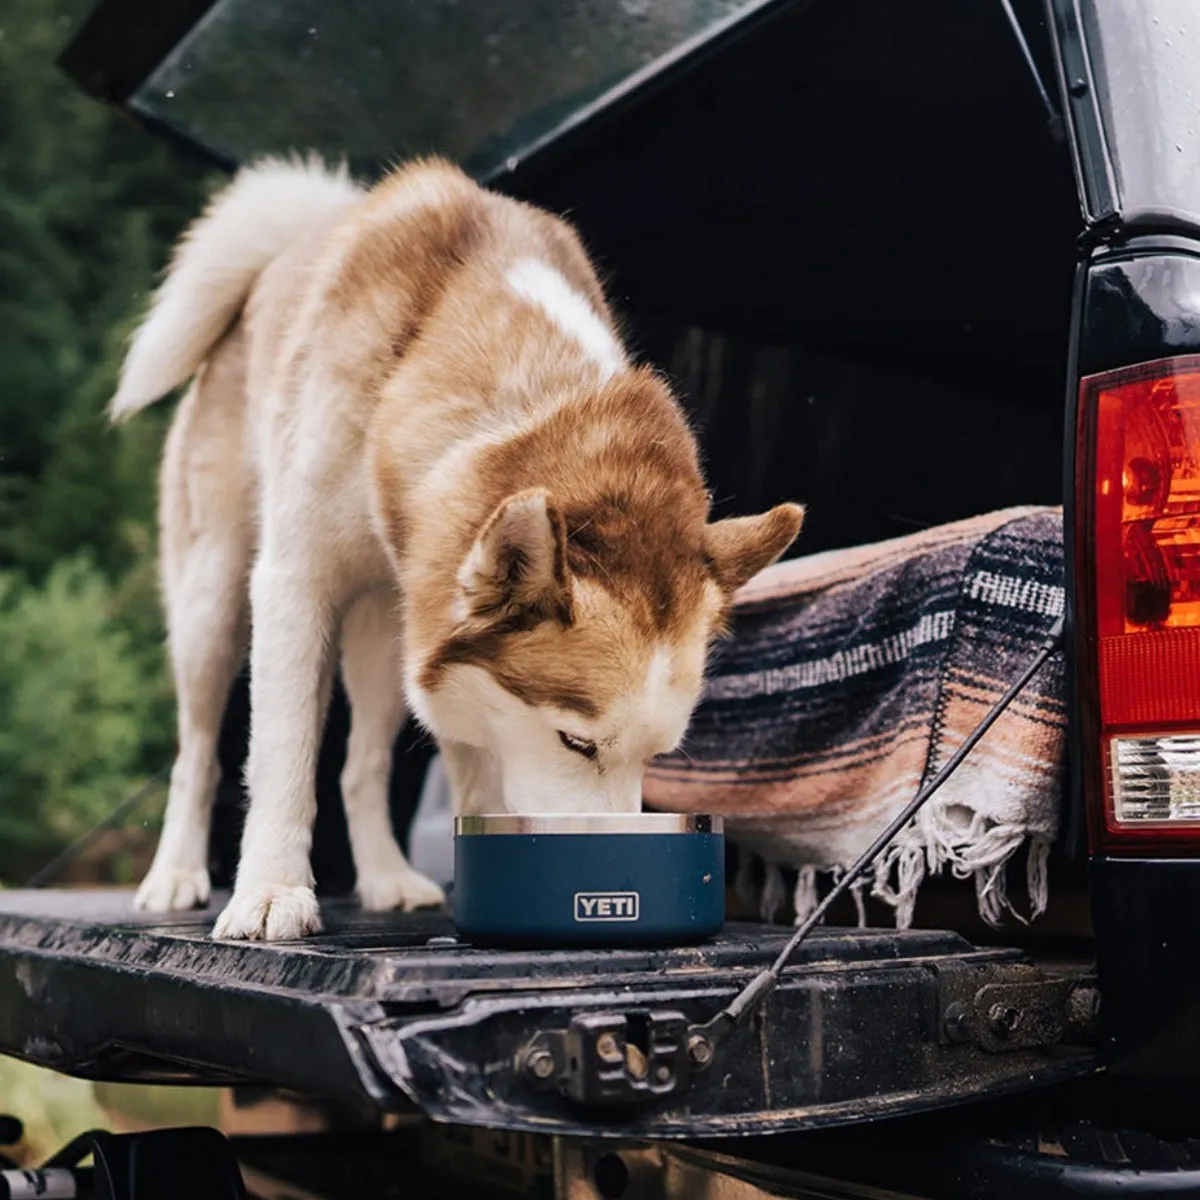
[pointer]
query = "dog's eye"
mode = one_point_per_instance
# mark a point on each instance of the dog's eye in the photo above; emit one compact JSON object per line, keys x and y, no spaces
{"x":578,"y":745}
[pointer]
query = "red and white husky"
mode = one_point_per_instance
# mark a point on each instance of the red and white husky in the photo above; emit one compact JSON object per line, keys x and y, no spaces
{"x":414,"y":444}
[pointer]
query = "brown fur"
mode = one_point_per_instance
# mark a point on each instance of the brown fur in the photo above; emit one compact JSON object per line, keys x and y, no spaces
{"x":427,"y":397}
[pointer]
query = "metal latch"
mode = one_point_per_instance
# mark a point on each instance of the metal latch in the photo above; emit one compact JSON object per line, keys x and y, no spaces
{"x":609,"y":1059}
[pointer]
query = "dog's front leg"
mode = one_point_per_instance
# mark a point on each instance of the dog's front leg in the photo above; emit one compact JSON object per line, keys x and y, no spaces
{"x":291,"y":659}
{"x":371,"y":672}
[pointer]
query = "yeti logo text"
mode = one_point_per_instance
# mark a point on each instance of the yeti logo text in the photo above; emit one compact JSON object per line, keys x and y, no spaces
{"x":606,"y":906}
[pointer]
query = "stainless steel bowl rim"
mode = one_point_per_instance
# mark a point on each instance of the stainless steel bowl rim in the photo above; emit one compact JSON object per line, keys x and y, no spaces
{"x":551,"y":823}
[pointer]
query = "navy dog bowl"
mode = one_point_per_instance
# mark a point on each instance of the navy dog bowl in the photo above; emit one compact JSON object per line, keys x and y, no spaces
{"x":610,"y":880}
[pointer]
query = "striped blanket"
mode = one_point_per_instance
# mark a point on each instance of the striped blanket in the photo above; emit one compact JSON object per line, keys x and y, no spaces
{"x":849,"y":680}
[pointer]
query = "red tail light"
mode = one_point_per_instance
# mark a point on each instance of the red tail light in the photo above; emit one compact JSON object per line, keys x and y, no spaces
{"x":1138,"y":537}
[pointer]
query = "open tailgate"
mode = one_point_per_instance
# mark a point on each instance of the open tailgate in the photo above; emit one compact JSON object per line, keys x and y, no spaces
{"x":865,"y":1024}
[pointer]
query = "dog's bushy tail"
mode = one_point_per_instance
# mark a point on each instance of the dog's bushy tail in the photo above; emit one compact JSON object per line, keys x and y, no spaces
{"x":245,"y":227}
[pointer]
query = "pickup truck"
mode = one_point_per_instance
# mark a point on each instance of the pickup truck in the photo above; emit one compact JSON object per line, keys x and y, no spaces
{"x":910,"y":260}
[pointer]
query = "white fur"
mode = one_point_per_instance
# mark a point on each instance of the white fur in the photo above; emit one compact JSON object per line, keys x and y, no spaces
{"x":203,"y":552}
{"x":299,"y":589}
{"x":542,"y":285}
{"x":249,"y":224}
{"x":279,"y":492}
{"x":503,"y":755}
{"x":370,"y":673}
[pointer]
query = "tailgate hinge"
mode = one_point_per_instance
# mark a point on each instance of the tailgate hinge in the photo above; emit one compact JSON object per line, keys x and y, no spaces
{"x":1023,"y":1010}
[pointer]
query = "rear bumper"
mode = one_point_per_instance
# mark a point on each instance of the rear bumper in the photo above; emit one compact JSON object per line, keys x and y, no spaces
{"x":868,"y":1169}
{"x":1034,"y":1148}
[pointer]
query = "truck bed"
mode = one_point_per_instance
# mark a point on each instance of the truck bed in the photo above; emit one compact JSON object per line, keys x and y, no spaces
{"x":865,"y":1024}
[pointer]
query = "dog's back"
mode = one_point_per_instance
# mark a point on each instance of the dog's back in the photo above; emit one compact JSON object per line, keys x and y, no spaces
{"x":328,"y":279}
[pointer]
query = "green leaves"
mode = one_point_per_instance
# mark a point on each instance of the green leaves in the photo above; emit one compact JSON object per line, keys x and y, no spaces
{"x":76,"y":705}
{"x":88,"y":207}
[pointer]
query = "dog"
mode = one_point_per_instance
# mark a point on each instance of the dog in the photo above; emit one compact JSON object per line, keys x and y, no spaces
{"x":414,"y":441}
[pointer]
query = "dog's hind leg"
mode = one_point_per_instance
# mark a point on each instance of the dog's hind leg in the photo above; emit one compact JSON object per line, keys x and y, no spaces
{"x":206,"y":651}
{"x":372,"y":676}
{"x":206,"y":536}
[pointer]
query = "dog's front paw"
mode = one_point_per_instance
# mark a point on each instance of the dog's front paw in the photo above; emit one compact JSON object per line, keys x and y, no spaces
{"x":269,"y":913}
{"x":404,"y":889}
{"x":170,"y":890}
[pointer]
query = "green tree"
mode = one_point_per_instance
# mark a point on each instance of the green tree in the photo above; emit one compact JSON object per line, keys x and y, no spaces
{"x":89,"y":204}
{"x":74,"y":708}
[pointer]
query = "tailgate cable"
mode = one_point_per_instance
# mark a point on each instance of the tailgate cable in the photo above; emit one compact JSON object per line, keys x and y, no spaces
{"x":757,"y":990}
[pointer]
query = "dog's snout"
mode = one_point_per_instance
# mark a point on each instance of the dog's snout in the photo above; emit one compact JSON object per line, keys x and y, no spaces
{"x":565,"y":798}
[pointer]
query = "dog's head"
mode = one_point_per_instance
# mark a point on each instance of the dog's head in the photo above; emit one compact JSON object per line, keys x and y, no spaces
{"x":579,"y":638}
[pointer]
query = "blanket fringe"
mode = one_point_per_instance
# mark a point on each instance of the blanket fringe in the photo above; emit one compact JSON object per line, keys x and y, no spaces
{"x":904,"y":859}
{"x":901,"y":870}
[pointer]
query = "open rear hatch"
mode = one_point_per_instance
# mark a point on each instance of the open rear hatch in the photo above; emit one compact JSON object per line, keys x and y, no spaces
{"x":865,"y":1023}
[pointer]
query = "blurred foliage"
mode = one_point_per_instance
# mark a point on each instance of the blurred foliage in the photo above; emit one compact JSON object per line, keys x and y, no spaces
{"x":88,"y":207}
{"x":78,"y":708}
{"x":54,"y":1109}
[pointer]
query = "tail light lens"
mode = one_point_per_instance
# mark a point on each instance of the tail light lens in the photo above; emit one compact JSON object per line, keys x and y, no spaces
{"x":1139,"y":603}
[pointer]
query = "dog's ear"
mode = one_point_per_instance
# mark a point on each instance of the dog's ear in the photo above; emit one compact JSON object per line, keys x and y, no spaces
{"x":517,"y":568}
{"x":740,"y":547}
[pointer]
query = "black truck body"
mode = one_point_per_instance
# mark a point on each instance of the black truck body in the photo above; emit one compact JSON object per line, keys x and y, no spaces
{"x":894,"y":253}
